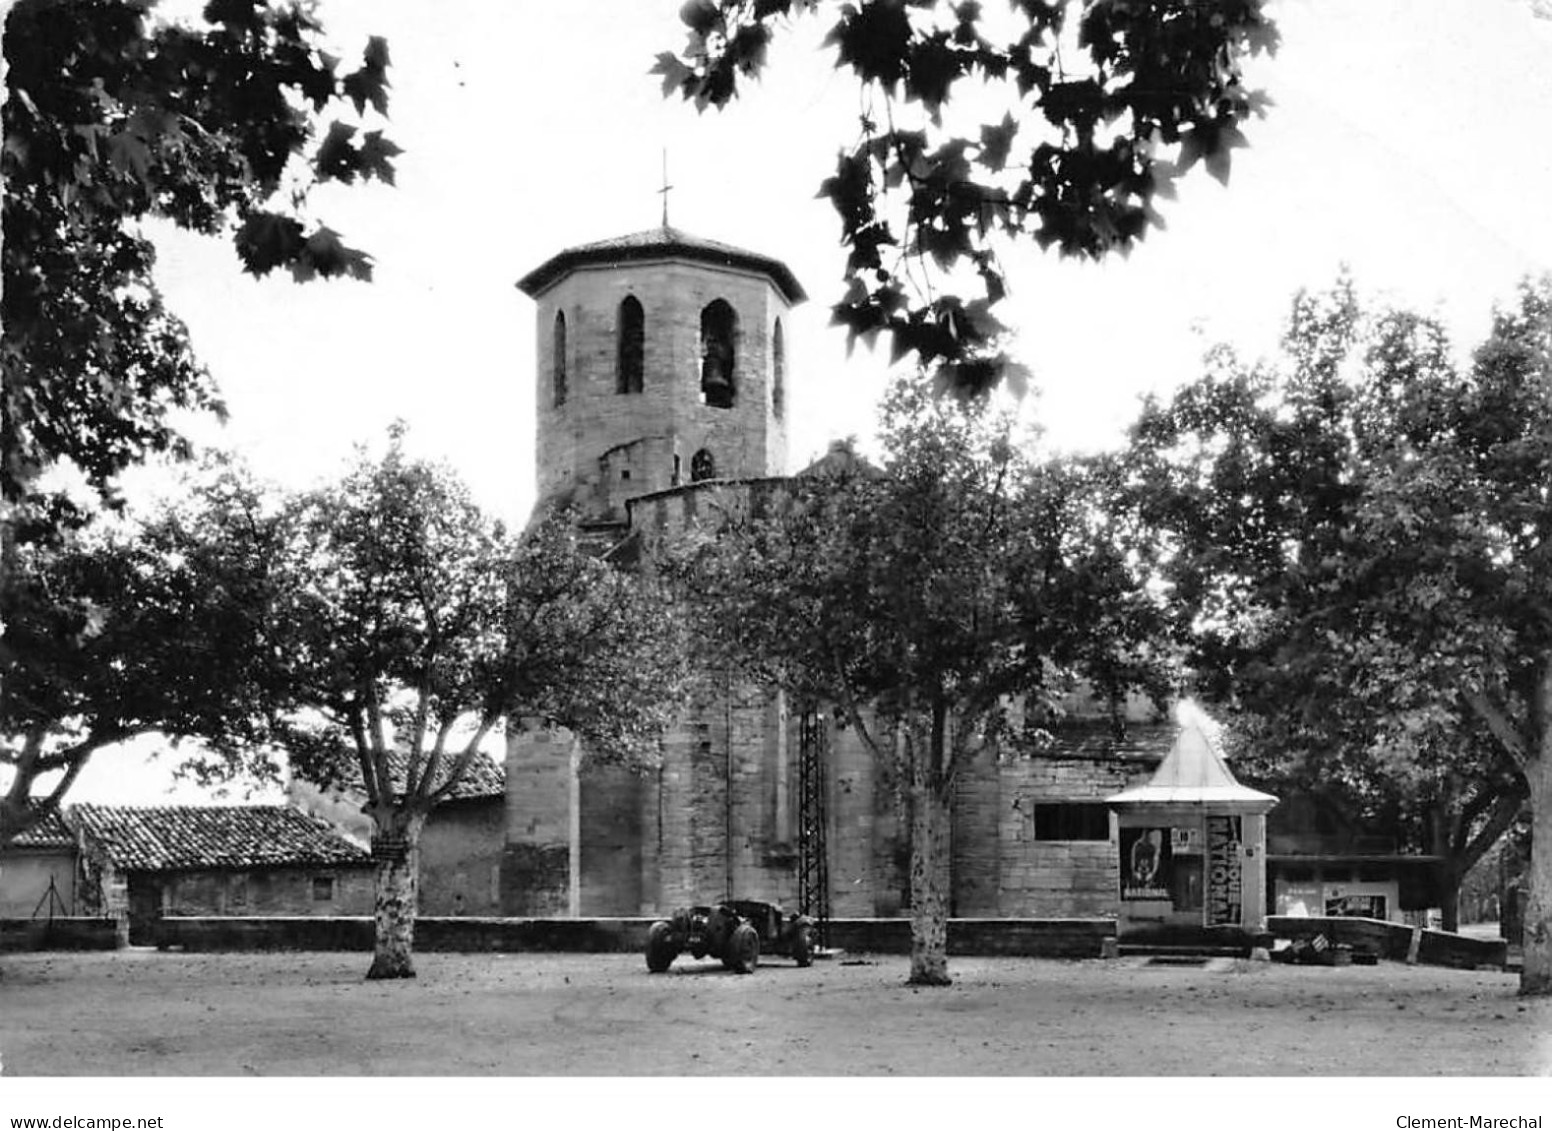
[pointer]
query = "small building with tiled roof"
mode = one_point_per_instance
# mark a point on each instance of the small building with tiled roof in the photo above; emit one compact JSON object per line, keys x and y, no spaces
{"x":460,"y":844}
{"x":38,"y":872}
{"x":145,"y":862}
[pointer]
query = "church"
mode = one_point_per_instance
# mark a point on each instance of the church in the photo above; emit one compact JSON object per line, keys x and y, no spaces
{"x":662,"y":392}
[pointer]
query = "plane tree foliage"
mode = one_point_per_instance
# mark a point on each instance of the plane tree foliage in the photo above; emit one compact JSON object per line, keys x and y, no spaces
{"x":114,"y":116}
{"x":377,"y":634}
{"x":1356,"y":535}
{"x":936,"y":603}
{"x":127,"y":629}
{"x":413,"y":628}
{"x":1053,"y":120}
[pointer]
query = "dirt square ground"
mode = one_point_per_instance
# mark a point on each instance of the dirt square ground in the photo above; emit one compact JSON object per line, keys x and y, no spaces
{"x":144,"y":1013}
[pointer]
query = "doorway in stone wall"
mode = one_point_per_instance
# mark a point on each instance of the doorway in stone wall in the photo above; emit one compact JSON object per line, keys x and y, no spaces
{"x":145,"y":910}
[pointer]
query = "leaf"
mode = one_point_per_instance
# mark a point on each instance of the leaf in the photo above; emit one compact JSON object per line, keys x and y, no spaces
{"x":1218,"y":158}
{"x":267,"y":240}
{"x":324,"y":254}
{"x":676,"y":75}
{"x":377,"y":154}
{"x":128,"y":153}
{"x":872,"y":40}
{"x":931,"y":66}
{"x":337,"y":158}
{"x":375,"y":55}
{"x":242,"y":14}
{"x":997,"y":142}
{"x":703,"y":17}
{"x":369,"y":83}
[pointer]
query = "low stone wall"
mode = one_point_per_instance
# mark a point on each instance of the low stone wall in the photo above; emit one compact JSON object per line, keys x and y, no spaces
{"x":1043,"y":938}
{"x":1396,"y":941}
{"x":64,"y":933}
{"x":278,"y":932}
{"x":466,"y":935}
{"x":1034,"y":938}
{"x":1031,"y":938}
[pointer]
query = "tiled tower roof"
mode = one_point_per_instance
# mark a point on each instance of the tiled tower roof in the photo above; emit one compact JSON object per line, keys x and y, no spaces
{"x":659,"y":243}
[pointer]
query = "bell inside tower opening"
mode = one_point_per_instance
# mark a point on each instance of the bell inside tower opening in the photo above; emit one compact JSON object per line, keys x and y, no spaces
{"x":718,"y":326}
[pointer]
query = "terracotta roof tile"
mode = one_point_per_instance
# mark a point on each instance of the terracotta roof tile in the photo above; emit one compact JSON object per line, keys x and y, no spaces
{"x":175,"y":837}
{"x":482,"y":778}
{"x":51,"y":832}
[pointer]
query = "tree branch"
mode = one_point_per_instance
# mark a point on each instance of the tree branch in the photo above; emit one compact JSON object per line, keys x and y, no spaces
{"x":471,"y":750}
{"x":1509,"y":736}
{"x":1506,"y":808}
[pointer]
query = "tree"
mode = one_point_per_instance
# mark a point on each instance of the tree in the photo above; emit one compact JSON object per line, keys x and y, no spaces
{"x":922,"y":600}
{"x":412,"y":626}
{"x":1358,"y":541}
{"x":127,"y":629}
{"x":1096,"y":109}
{"x":112,"y":117}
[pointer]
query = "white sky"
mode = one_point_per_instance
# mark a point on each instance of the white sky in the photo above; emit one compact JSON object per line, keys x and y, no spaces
{"x":1410,"y":139}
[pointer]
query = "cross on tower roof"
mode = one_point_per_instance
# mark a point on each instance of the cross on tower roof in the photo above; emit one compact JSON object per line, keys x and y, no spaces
{"x":665,"y":189}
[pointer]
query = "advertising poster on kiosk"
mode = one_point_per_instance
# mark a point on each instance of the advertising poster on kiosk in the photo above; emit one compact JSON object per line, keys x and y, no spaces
{"x":1145,"y":863}
{"x":1224,"y":881}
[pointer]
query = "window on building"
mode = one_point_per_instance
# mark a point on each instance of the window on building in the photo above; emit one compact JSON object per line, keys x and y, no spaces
{"x":1072,"y":820}
{"x":558,"y":361}
{"x":718,"y":360}
{"x":237,"y":892}
{"x":323,"y":889}
{"x":702,"y":466}
{"x":632,"y":346}
{"x":778,"y":371}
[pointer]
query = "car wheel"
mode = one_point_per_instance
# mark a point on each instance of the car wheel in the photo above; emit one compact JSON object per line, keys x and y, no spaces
{"x":661,"y":950}
{"x":744,"y":949}
{"x":803,"y":946}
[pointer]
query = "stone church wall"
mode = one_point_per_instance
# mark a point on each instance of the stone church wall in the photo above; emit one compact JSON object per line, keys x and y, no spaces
{"x":536,"y":860}
{"x":1057,"y":878}
{"x":460,"y":857}
{"x":975,"y":845}
{"x":610,"y":840}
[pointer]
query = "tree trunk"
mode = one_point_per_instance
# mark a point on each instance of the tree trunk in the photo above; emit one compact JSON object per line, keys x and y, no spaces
{"x":1536,"y":975}
{"x":929,"y":853}
{"x":398,"y":877}
{"x":1450,"y":877}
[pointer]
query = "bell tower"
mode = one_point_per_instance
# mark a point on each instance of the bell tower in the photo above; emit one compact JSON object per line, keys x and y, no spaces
{"x":661,"y":361}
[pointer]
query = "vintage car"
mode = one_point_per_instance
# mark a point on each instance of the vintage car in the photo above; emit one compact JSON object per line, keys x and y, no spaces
{"x":734,"y":933}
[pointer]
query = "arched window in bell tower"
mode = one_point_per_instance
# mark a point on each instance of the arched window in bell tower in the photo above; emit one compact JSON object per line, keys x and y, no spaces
{"x":719,"y":326}
{"x":558,"y":360}
{"x":778,"y":372}
{"x":702,"y":466}
{"x":632,"y":339}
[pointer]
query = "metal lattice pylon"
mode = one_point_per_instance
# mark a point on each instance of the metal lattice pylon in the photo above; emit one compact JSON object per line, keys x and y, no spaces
{"x":813,"y":858}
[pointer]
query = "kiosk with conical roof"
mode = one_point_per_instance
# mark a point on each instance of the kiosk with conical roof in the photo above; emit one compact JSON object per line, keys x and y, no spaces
{"x":1192,"y":849}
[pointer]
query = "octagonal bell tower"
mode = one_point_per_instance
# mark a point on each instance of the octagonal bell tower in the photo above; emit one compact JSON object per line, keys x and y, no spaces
{"x":661,"y":361}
